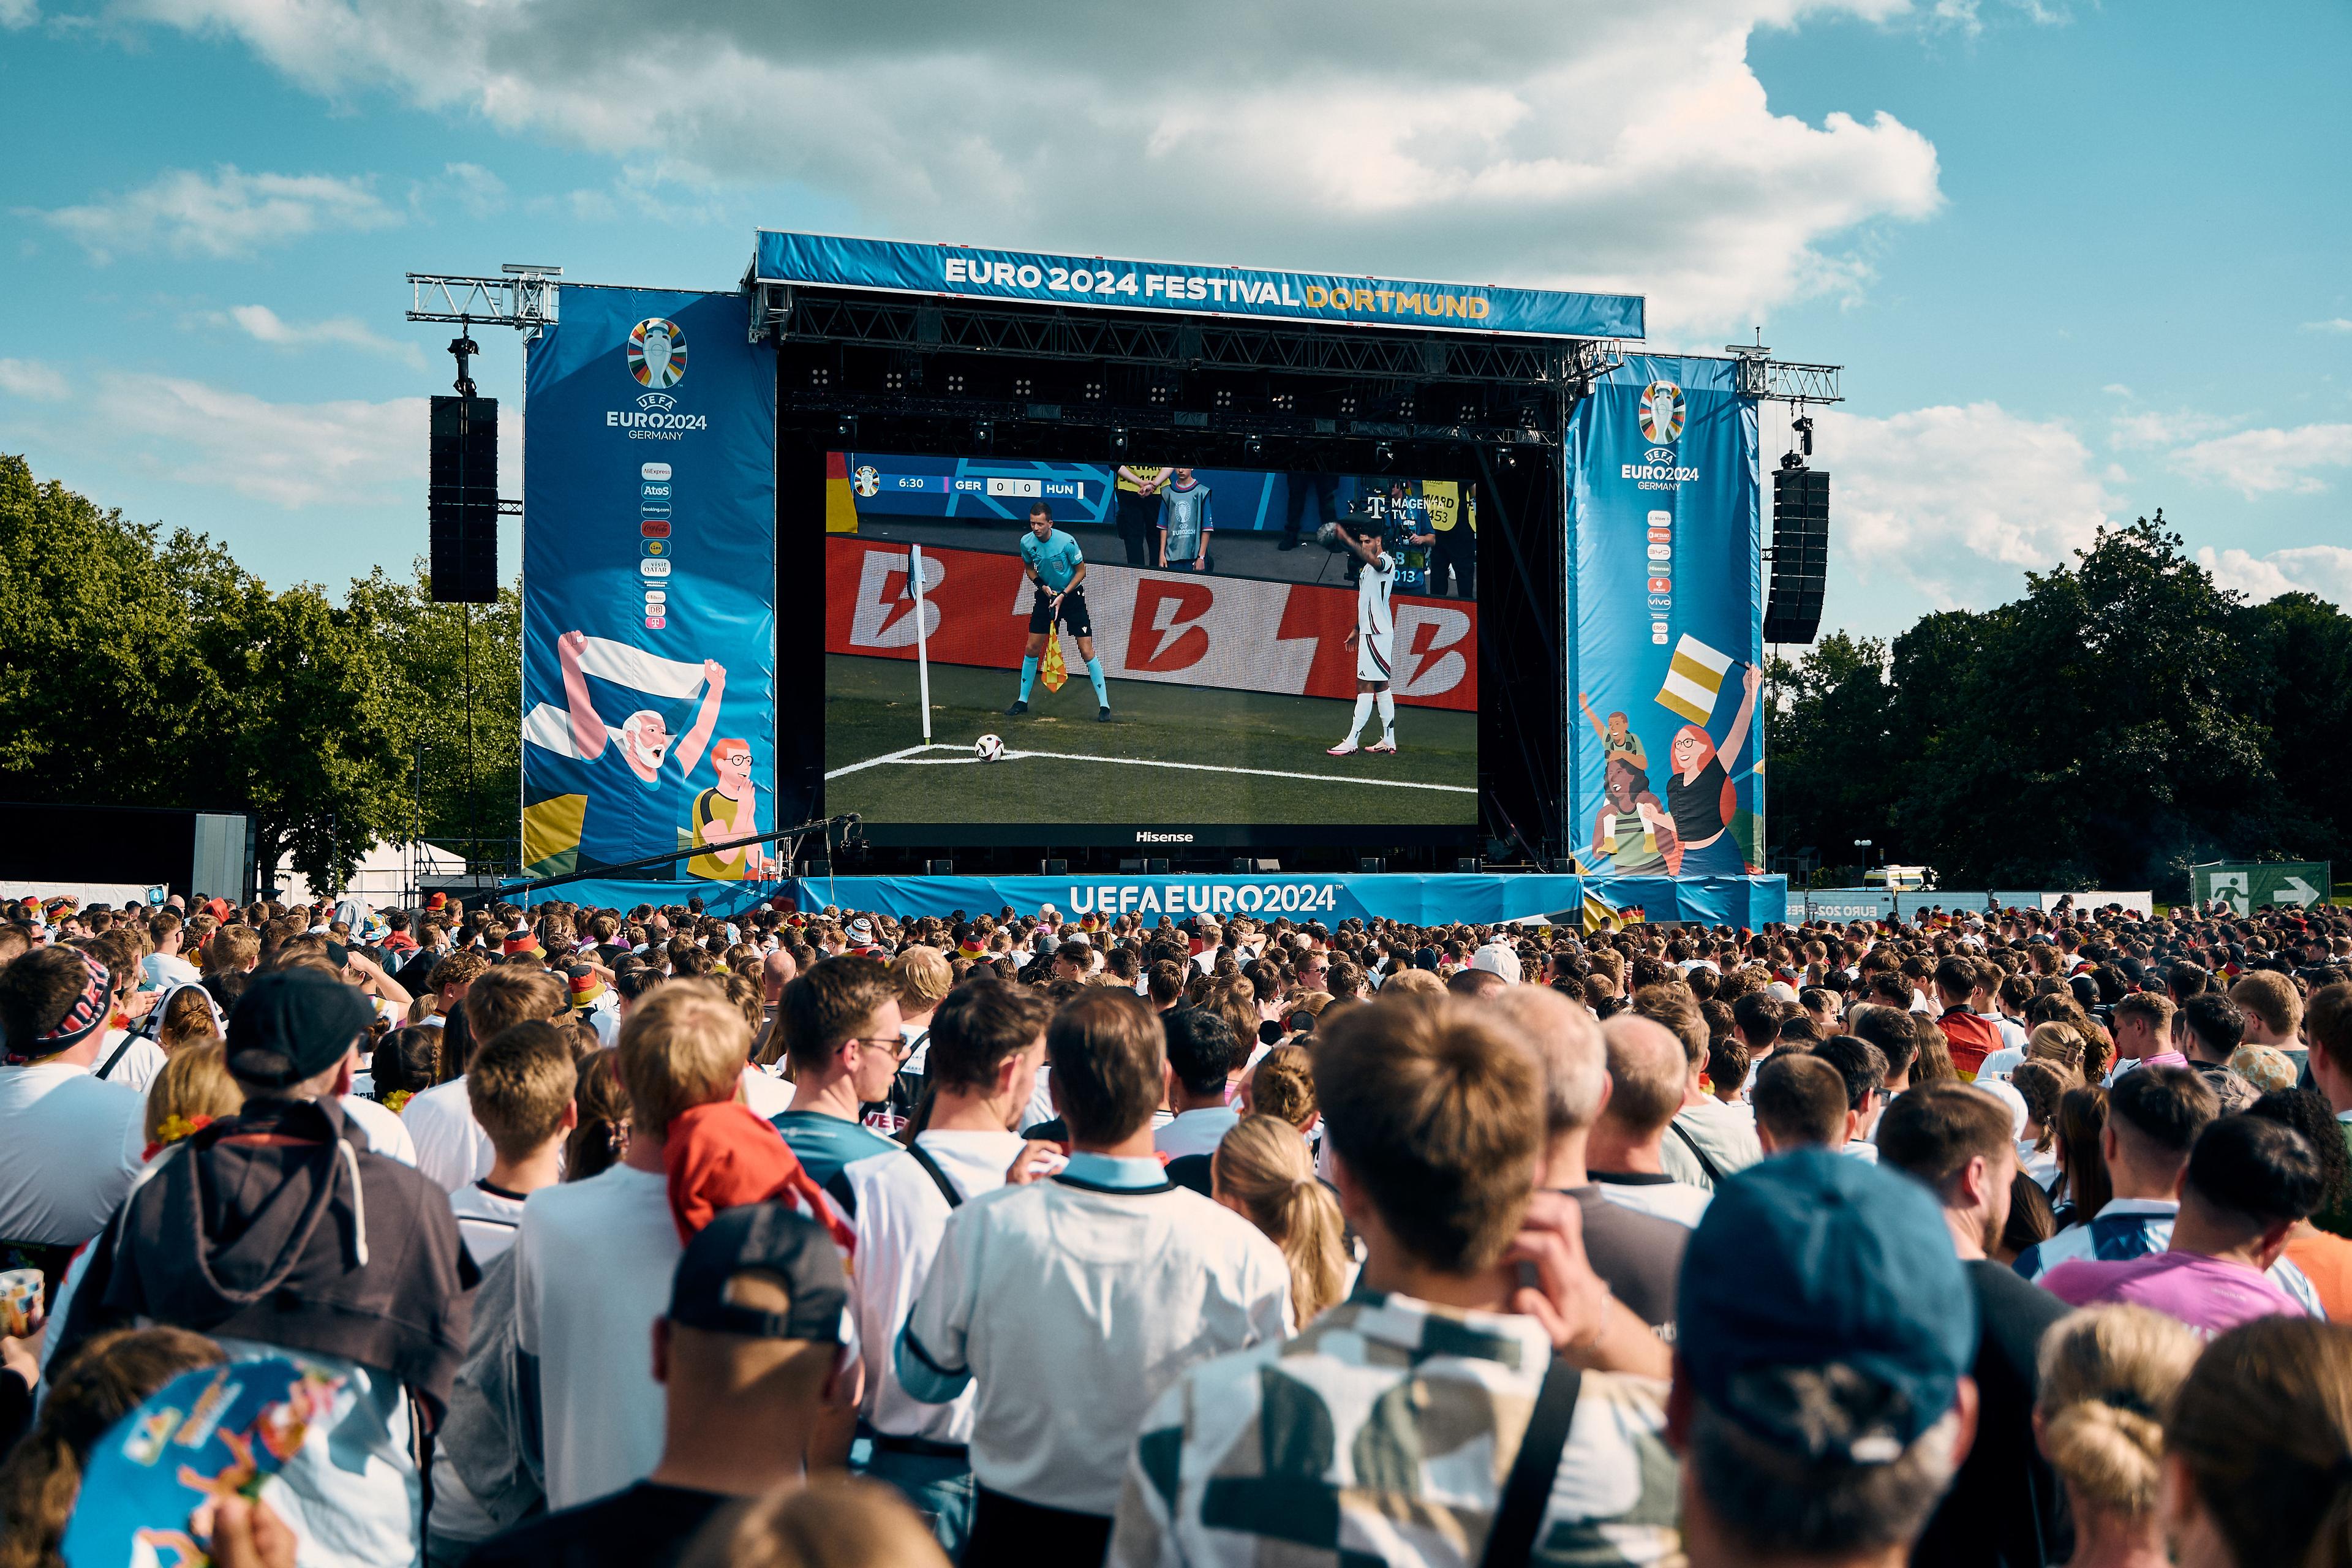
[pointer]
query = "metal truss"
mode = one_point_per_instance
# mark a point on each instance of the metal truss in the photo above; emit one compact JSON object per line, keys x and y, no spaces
{"x":523,"y":299}
{"x":1785,"y":382}
{"x":884,"y":406}
{"x":1049,"y":333}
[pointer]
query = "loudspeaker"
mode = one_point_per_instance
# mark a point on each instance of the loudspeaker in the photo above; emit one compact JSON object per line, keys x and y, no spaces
{"x":1801,"y":553}
{"x":462,"y":500}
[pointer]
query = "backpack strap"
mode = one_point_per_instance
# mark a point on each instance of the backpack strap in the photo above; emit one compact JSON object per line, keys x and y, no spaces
{"x":945,"y":1183}
{"x":120,"y":1051}
{"x":1519,"y":1512}
{"x":1714,"y":1171}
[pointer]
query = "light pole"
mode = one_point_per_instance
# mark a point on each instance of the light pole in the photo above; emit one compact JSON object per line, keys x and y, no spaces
{"x":1863,"y":844}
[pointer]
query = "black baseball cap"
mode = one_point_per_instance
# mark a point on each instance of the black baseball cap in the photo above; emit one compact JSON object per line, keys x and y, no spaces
{"x":293,"y":1025}
{"x":768,"y":1238}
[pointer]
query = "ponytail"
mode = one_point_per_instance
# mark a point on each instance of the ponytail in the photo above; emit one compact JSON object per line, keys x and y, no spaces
{"x":1263,"y":1166}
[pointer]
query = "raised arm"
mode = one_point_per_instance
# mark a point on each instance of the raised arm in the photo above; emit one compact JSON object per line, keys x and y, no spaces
{"x":588,"y":735}
{"x":1591,"y":718}
{"x":1729,"y":753}
{"x":690,"y":751}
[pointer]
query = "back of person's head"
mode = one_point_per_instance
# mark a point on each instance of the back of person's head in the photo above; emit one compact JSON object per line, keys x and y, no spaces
{"x":599,"y":1139}
{"x":2108,"y":1375}
{"x":1263,"y":1171}
{"x":1675,"y":1008}
{"x":1826,"y":1330}
{"x":1894,"y":1031}
{"x":830,"y":1003}
{"x":2307,"y":1111}
{"x":2255,"y":1172}
{"x":682,"y":1047}
{"x":977,"y":1027}
{"x":2031,"y":1221}
{"x":2183,"y":981}
{"x":520,"y":1085}
{"x":2082,"y":1126}
{"x":2260,"y":1432}
{"x":924,"y":976}
{"x":1566,"y":1041}
{"x":1934,"y":1133}
{"x":1202,"y":1050}
{"x":1109,"y":1058}
{"x":1648,"y":1071}
{"x":2272,"y":997}
{"x":2213,"y":1028}
{"x":831,"y":1522}
{"x":1800,"y":1102}
{"x":2057,"y":1043}
{"x":500,"y":998}
{"x":1955,"y":977}
{"x":1437,"y":1115}
{"x":1282,"y":1086}
{"x":51,"y":1000}
{"x":187,"y":1019}
{"x":1860,"y":1063}
{"x":194,"y":1089}
{"x":94,"y":1388}
{"x":2161,"y":1110}
{"x":2328,"y":1021}
{"x":753,"y":1333}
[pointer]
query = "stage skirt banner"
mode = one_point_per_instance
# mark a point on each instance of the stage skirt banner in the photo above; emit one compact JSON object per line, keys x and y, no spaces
{"x":649,"y":645}
{"x":1176,"y":627}
{"x":1667,"y":741}
{"x":1038,"y":278}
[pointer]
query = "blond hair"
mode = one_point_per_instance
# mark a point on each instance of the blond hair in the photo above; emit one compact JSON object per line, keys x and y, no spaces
{"x":924,"y":978}
{"x":510,"y":994}
{"x":2061,"y":1045}
{"x":2108,"y":1374}
{"x":1262,"y":1165}
{"x":194,"y":1082}
{"x":2264,"y":1423}
{"x":519,"y":1086}
{"x":684,"y":1045}
{"x":1411,"y":980}
{"x":2272,"y":997}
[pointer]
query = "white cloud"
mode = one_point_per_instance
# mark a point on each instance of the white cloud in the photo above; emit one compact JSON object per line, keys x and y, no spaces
{"x":1576,"y":142}
{"x":2322,"y":569}
{"x":1957,"y":500}
{"x":2116,"y":389}
{"x":225,"y":214}
{"x":289,"y":454}
{"x":263,"y":324}
{"x":15,"y":13}
{"x":30,"y":378}
{"x":2264,"y":462}
{"x":2334,"y":324}
{"x":2153,"y":430}
{"x":479,"y":193}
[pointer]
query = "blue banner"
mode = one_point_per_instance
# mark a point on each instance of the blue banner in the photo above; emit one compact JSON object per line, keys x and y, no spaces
{"x":1038,"y":279}
{"x":1667,"y":600}
{"x":649,"y":585}
{"x":1473,"y":899}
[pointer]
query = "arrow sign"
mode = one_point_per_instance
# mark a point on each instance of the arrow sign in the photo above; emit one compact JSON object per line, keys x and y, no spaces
{"x":2296,"y":891}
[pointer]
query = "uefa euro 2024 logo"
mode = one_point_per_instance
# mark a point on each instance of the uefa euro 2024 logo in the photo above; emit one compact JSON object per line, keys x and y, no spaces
{"x":657,"y":354}
{"x":1662,"y":409}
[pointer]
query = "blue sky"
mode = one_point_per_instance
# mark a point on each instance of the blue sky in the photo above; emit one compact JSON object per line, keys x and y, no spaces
{"x":2081,"y":261}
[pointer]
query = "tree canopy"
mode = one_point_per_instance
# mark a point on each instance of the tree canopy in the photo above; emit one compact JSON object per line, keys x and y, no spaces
{"x":2122,"y":720}
{"x":139,"y":667}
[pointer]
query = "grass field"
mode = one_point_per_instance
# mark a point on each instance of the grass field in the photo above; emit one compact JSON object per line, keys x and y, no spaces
{"x":1172,"y":753}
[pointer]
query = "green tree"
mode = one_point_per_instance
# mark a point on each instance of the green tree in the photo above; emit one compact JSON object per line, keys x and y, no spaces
{"x":1827,"y":744}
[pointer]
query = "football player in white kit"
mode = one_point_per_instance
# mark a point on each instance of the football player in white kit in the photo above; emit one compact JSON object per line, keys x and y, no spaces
{"x":1374,"y":638}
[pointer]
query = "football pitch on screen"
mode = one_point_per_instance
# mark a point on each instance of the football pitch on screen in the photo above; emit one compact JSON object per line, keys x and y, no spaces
{"x":1172,"y":753}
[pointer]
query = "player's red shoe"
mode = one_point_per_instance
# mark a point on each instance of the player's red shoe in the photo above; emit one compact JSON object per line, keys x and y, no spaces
{"x":1346,"y":748}
{"x":1385,"y":748}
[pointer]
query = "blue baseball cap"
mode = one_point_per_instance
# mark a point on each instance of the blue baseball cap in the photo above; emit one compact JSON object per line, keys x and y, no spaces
{"x":1814,"y":1262}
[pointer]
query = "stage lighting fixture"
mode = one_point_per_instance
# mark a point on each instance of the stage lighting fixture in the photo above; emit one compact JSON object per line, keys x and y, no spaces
{"x":1385,"y":454}
{"x":1118,"y":443}
{"x":1161,"y":392}
{"x":1251,"y":445}
{"x":1225,"y":398}
{"x":820,"y":376}
{"x":1348,"y":404}
{"x":1094,"y":392}
{"x":955,"y":384}
{"x":1803,"y":425}
{"x":894,"y":379}
{"x":1285,"y":402}
{"x":1404,"y":407}
{"x":983,"y":433}
{"x":1023,"y":387}
{"x":847,"y":427}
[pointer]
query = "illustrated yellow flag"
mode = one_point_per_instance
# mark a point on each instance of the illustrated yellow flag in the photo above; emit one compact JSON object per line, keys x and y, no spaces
{"x":1052,"y":670}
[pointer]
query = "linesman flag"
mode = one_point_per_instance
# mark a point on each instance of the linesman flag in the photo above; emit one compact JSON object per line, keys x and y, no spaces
{"x":1693,"y":678}
{"x":1052,"y":670}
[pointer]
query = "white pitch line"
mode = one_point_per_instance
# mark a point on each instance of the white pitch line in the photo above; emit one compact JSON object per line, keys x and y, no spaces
{"x":878,"y":761}
{"x":910,"y":758}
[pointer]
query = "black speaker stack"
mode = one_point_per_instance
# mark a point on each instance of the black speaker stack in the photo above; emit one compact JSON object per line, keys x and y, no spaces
{"x":463,"y":499}
{"x":1801,"y":551}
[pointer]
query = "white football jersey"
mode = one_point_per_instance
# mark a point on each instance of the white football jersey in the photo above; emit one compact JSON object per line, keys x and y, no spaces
{"x":1373,"y":617}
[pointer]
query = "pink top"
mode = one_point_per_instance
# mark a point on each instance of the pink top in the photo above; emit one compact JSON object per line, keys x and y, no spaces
{"x":2208,"y":1294}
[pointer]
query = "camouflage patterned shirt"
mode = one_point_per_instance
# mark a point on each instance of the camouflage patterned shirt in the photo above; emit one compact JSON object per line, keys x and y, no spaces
{"x":1383,"y":1434}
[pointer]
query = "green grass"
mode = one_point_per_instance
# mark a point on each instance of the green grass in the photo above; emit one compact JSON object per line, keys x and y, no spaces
{"x":871,"y":708}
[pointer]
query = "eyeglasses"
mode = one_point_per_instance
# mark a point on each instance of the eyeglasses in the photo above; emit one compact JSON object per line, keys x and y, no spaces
{"x":896,"y":1045}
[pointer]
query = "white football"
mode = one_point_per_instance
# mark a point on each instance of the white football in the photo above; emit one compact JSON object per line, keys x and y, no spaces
{"x":988,"y":748}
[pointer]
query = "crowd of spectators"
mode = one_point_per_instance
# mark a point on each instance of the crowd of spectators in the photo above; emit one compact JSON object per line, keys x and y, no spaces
{"x":657,"y":1236}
